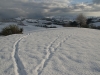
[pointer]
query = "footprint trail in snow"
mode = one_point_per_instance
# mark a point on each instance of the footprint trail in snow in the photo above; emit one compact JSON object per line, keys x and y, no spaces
{"x":18,"y":65}
{"x":50,"y":50}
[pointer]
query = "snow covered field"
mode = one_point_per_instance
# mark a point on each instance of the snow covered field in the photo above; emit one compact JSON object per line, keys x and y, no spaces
{"x":60,"y":51}
{"x":95,"y":24}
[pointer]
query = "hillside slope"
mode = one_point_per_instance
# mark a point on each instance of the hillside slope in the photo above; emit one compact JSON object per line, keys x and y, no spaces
{"x":62,"y":51}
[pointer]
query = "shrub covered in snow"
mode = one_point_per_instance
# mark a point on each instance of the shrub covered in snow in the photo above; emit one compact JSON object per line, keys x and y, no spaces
{"x":11,"y":29}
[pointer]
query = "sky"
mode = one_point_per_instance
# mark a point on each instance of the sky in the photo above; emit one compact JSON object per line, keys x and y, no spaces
{"x":80,"y":1}
{"x":47,"y":8}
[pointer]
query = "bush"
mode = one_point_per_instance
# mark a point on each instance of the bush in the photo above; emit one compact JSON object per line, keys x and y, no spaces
{"x":11,"y":29}
{"x":81,"y":19}
{"x":88,"y":21}
{"x":73,"y":24}
{"x":52,"y":27}
{"x":66,"y":25}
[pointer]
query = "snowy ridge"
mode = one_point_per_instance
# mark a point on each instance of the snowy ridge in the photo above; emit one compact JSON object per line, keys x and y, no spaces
{"x":18,"y":65}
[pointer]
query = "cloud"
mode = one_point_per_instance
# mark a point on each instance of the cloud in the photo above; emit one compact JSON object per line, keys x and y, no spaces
{"x":96,"y":1}
{"x":30,"y":8}
{"x":43,"y":8}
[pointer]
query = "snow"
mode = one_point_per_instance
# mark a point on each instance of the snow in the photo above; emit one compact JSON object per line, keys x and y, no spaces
{"x":58,"y":51}
{"x":31,"y":20}
{"x":96,"y":24}
{"x":19,"y":18}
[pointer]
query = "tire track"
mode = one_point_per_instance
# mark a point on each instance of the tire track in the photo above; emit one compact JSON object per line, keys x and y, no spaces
{"x":18,"y":65}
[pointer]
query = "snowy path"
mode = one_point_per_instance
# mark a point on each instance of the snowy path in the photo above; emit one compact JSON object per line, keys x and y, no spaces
{"x":18,"y":65}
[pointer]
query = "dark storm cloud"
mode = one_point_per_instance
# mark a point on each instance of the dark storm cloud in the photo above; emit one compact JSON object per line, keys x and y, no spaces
{"x":17,"y":8}
{"x":8,"y":13}
{"x":13,"y":8}
{"x":32,"y":9}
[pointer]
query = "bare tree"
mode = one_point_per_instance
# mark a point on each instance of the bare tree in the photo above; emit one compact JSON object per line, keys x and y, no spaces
{"x":81,"y":19}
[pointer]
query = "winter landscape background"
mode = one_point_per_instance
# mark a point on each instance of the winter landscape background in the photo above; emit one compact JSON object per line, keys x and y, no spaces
{"x":44,"y":37}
